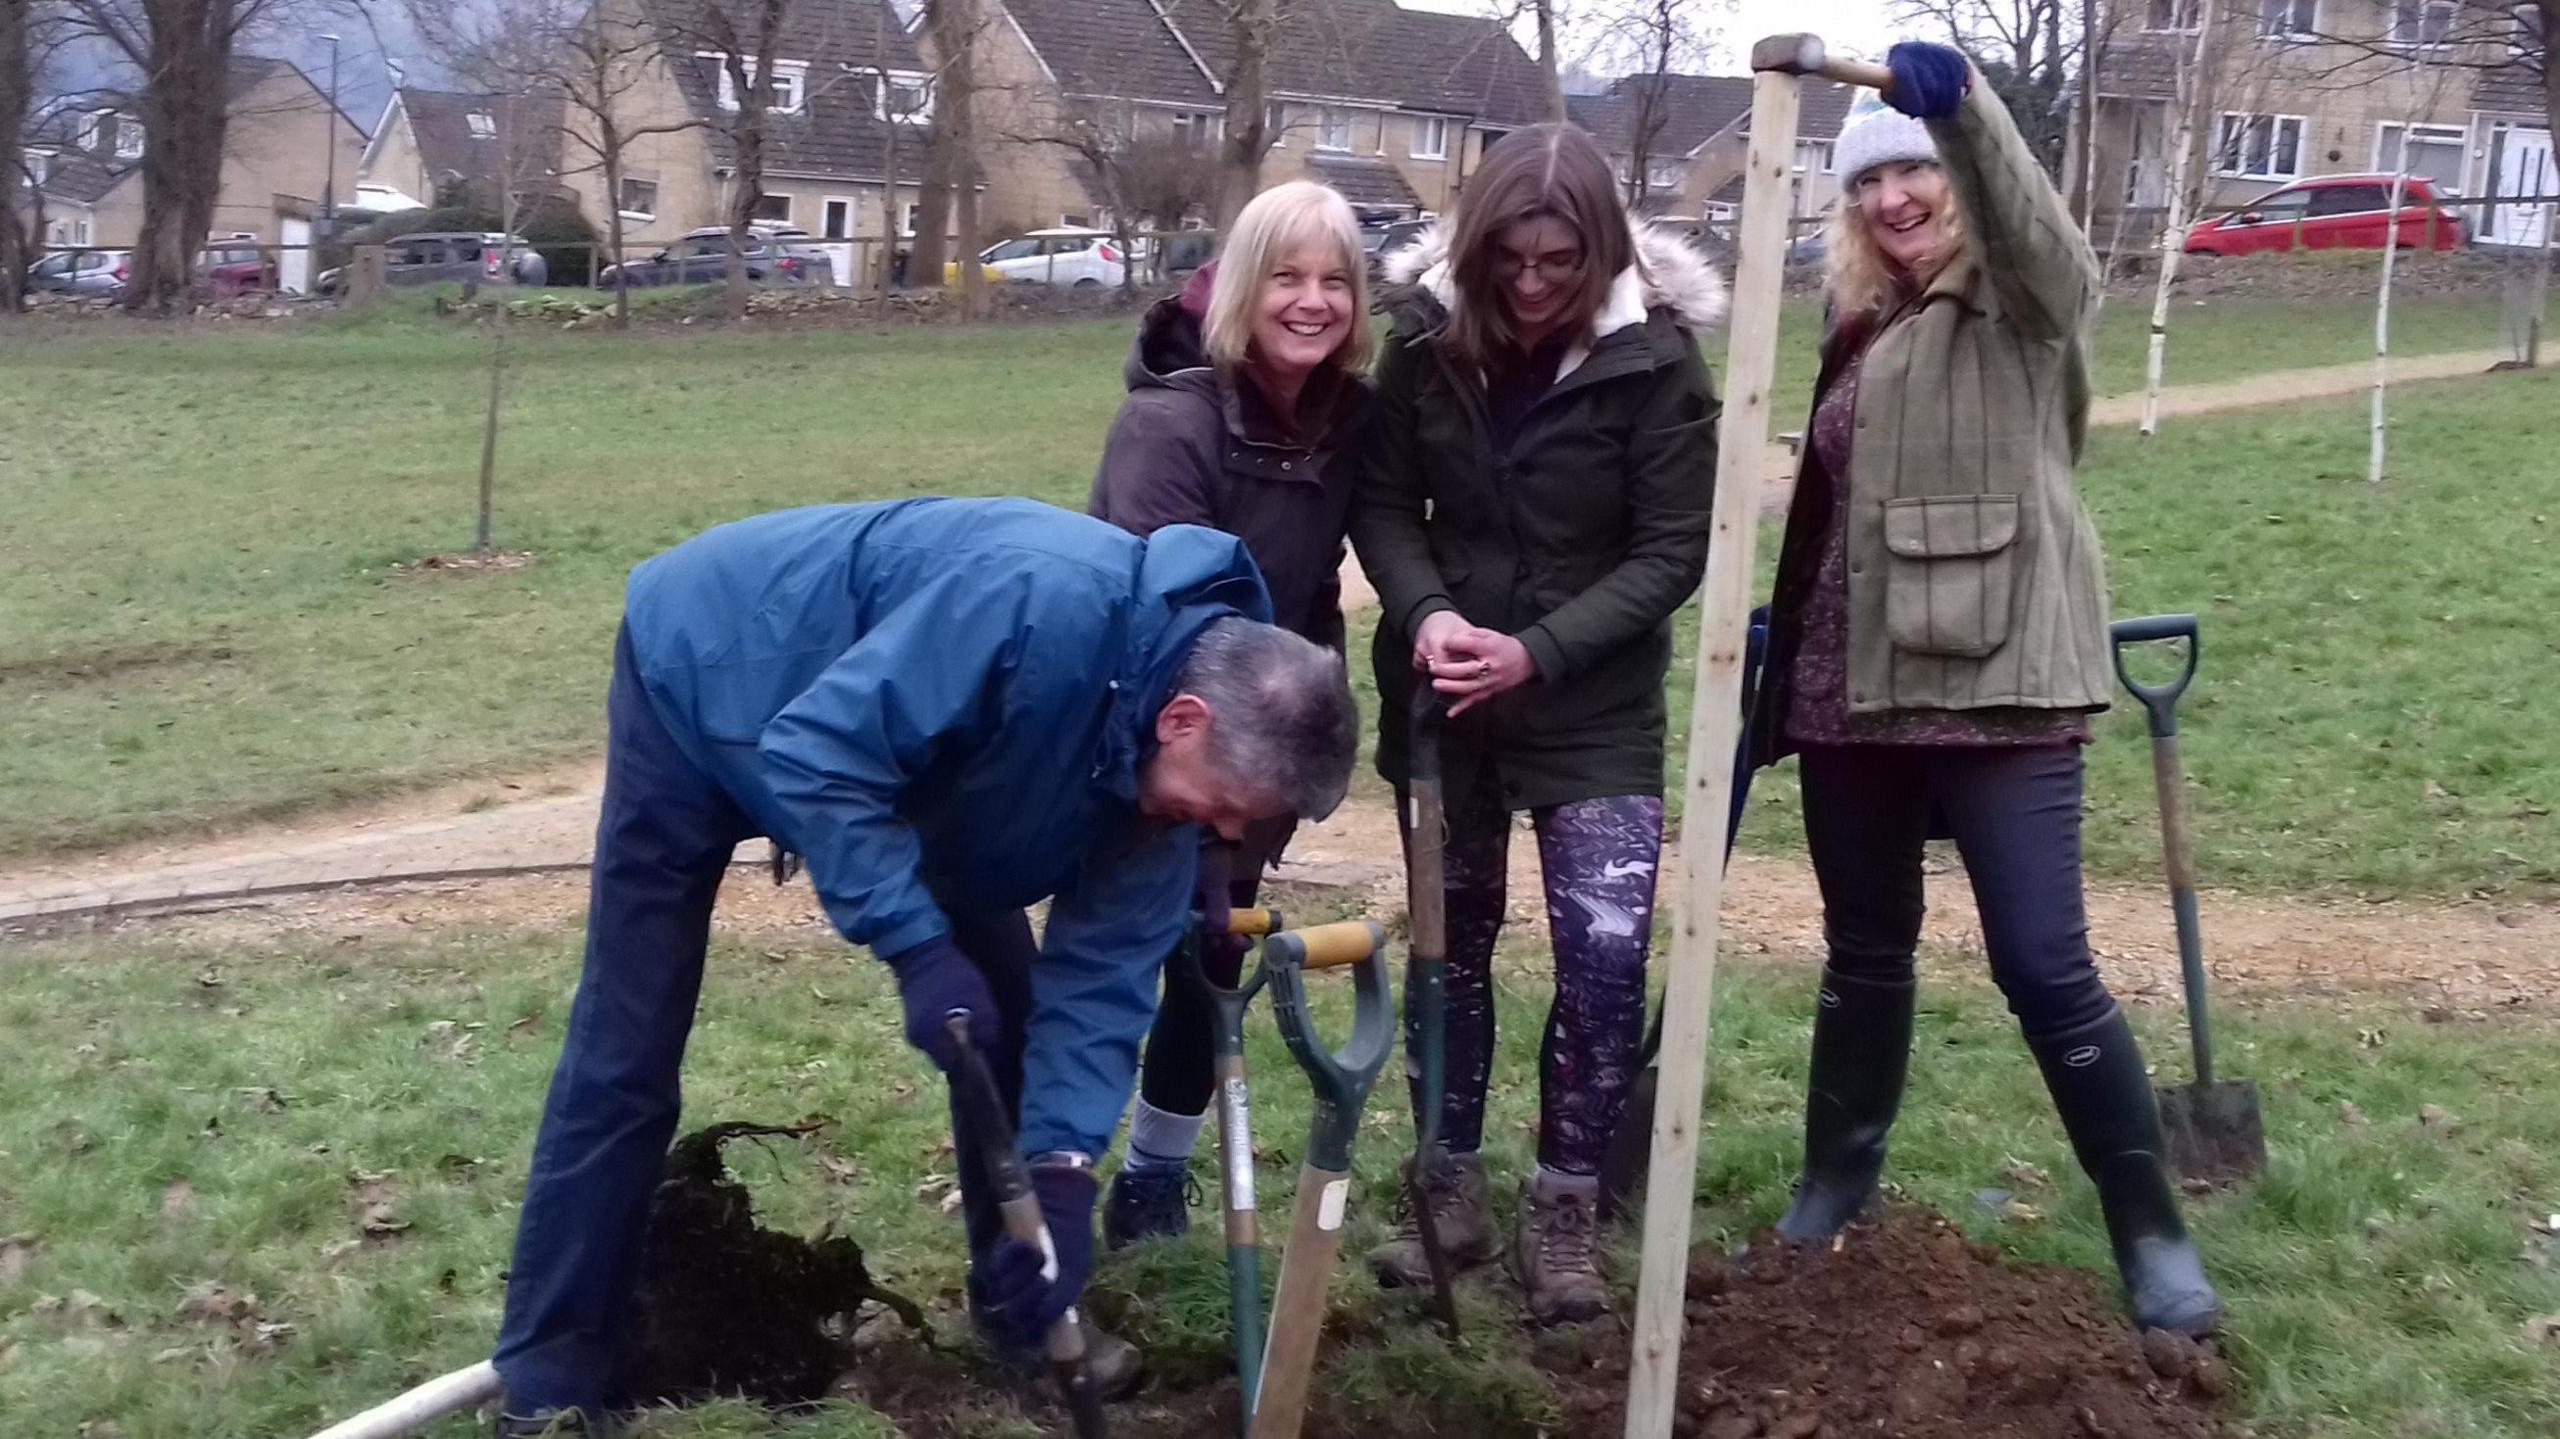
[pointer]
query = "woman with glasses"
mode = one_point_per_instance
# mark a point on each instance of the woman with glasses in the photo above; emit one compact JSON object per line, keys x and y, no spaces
{"x":1533,"y":509}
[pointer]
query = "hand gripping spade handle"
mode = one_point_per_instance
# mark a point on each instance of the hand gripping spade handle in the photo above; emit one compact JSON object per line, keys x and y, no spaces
{"x":1277,"y":1405}
{"x":986,"y":1125}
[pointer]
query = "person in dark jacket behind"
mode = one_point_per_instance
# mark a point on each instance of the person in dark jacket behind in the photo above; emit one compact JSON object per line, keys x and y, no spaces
{"x":1939,"y":635}
{"x":1533,"y":510}
{"x":1246,"y":393}
{"x":954,"y":709}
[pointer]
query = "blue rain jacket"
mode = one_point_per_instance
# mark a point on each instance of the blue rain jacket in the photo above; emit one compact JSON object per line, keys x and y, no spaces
{"x":945,"y":702}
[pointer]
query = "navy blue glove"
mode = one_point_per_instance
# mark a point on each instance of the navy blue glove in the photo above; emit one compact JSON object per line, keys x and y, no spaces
{"x":1929,"y":81}
{"x":935,"y":978}
{"x":1021,"y":1302}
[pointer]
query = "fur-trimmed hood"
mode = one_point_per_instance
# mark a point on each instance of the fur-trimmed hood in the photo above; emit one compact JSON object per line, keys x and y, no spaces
{"x":1669,"y":274}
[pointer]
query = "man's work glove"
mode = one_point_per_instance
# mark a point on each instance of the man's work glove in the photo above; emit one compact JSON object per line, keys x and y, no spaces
{"x":1929,"y":81}
{"x":935,"y":978}
{"x":1021,"y":1297}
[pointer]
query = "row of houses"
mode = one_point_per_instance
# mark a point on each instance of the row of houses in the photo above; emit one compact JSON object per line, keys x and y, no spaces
{"x":1395,"y":107}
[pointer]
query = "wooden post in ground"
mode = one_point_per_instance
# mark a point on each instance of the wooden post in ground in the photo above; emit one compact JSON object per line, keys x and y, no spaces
{"x":1715,"y":718}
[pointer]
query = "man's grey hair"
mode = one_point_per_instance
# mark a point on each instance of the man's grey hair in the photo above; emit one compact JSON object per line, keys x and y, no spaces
{"x":1282,"y":721}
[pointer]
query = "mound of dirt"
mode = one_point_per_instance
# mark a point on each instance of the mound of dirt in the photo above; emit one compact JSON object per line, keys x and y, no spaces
{"x":1902,"y":1327}
{"x":727,"y":1307}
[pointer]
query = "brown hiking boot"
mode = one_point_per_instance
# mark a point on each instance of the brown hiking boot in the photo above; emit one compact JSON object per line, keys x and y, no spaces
{"x":1454,"y":1187}
{"x":1558,"y":1251}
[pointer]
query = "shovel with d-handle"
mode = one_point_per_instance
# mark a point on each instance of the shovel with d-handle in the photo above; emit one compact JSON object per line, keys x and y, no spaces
{"x":2212,"y":1128}
{"x":1277,"y":1406}
{"x":1426,"y":986}
{"x":985,"y":1124}
{"x":1235,"y":1145}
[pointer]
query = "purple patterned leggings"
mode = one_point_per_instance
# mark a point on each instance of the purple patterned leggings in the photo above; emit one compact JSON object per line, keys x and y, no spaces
{"x":1599,"y":858}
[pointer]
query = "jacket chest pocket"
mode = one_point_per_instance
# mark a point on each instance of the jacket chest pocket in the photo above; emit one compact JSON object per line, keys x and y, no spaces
{"x":1950,"y":563}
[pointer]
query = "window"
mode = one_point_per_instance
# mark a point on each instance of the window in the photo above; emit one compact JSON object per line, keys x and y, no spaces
{"x":91,"y":125}
{"x":908,"y":99}
{"x":2259,"y":147}
{"x":838,"y":224}
{"x":2426,"y":24}
{"x":774,"y":207}
{"x":2170,"y":15}
{"x":2349,"y":199}
{"x":1195,"y":129}
{"x":2288,"y":19}
{"x":785,"y":96}
{"x":2283,"y":208}
{"x":1814,"y":155}
{"x":483,"y":126}
{"x":128,"y":139}
{"x":639,"y":199}
{"x":39,"y":166}
{"x":1430,"y":137}
{"x":1333,"y":131}
{"x":2436,"y":153}
{"x":1275,"y":121}
{"x":907,"y":225}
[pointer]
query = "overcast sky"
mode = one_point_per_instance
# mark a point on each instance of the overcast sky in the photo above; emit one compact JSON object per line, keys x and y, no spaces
{"x":1861,"y":26}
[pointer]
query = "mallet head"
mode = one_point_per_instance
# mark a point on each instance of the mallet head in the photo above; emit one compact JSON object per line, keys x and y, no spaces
{"x":1789,"y":54}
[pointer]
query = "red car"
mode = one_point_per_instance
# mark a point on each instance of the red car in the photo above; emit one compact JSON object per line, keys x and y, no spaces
{"x":2333,"y":212}
{"x":233,"y":268}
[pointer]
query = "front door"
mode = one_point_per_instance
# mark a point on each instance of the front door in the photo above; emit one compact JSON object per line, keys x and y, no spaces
{"x":2522,"y":168}
{"x":293,"y":256}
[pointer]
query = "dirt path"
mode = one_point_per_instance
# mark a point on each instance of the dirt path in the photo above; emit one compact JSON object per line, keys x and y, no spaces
{"x":2458,"y":959}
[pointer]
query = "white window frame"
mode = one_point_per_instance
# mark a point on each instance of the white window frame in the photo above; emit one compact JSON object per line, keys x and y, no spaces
{"x":1327,"y":119}
{"x":484,"y":126}
{"x":91,"y":126}
{"x":2386,"y":149}
{"x":1661,"y":175}
{"x":39,"y":165}
{"x":129,"y":138}
{"x":792,"y":75}
{"x":2425,"y":10}
{"x":918,"y":81}
{"x":1199,"y":129}
{"x":2286,"y":31}
{"x":2184,"y":17}
{"x":1275,"y":120}
{"x":852,"y":217}
{"x":621,"y":201}
{"x":782,"y":219}
{"x":2275,"y":126}
{"x":1434,"y":149}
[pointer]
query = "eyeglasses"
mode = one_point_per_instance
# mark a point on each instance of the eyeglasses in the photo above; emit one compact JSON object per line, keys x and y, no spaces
{"x":1555,"y":270}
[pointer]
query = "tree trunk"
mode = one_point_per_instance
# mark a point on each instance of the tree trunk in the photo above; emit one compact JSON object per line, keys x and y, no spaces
{"x":2382,"y":302}
{"x":1249,"y":135}
{"x":485,"y":520}
{"x":2173,"y":233}
{"x":609,"y":141}
{"x":20,"y":236}
{"x":886,"y":272}
{"x":1550,"y":64}
{"x":186,"y":114}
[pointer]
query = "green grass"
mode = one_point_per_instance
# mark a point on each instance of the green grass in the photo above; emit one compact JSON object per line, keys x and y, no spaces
{"x":2374,"y":1274}
{"x":201,"y":621}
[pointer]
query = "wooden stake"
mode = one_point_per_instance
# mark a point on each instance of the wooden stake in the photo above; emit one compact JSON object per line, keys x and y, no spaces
{"x":1715,"y":724}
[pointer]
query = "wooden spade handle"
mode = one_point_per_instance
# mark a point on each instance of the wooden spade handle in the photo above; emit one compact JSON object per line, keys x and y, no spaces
{"x":1807,"y":55}
{"x":1331,"y":946}
{"x":1297,"y":1309}
{"x":1253,"y":923}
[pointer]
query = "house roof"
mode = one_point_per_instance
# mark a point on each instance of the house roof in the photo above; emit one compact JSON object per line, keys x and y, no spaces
{"x":836,"y":134}
{"x":83,"y":174}
{"x":2512,"y":88}
{"x":448,"y":145}
{"x":1364,"y":51}
{"x":1686,"y":111}
{"x":1365,"y":181}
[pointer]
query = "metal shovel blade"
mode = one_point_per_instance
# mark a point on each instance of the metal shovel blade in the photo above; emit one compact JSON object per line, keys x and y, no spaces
{"x":2213,"y":1132}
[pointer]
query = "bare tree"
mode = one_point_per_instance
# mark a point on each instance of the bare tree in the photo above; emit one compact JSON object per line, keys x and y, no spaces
{"x":746,"y":35}
{"x":1550,"y":59}
{"x":513,"y":52}
{"x":2027,"y":49}
{"x":182,"y":52}
{"x":1648,"y":41}
{"x":2480,"y":37}
{"x":603,"y":60}
{"x":2193,"y":87}
{"x":1163,"y":179}
{"x":947,"y":223}
{"x":1255,"y":26}
{"x":2429,"y":92}
{"x":28,"y":31}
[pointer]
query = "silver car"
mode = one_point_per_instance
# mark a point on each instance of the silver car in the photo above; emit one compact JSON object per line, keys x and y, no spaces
{"x":81,"y":272}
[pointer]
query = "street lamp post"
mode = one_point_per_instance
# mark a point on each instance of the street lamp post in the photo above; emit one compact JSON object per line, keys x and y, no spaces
{"x":329,"y":195}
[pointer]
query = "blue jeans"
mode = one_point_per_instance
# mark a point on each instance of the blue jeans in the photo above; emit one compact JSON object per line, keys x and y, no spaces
{"x":2015,"y":814}
{"x":662,"y":845}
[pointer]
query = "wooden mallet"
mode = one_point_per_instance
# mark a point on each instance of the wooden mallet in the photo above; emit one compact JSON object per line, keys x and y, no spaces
{"x":1779,"y":65}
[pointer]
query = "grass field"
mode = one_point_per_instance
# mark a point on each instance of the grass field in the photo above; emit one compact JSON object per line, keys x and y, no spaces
{"x":202,"y":622}
{"x":183,"y":1115}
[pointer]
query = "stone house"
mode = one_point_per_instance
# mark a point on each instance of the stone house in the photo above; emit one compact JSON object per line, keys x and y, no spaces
{"x":1394,"y":107}
{"x":278,"y":148}
{"x":2300,"y":88}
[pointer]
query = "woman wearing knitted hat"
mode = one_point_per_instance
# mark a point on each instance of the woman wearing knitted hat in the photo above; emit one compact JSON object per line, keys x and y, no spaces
{"x":1938,"y":636}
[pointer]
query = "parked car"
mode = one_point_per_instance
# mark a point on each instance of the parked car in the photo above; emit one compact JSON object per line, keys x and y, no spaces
{"x":447,"y":257}
{"x":1383,"y":241}
{"x":228,"y":269}
{"x":775,"y":255}
{"x":2332,"y":212}
{"x":80,"y":272}
{"x":1081,"y":259}
{"x":1808,"y":250}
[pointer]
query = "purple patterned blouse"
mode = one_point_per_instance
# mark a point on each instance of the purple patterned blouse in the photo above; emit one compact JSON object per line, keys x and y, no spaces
{"x":1818,"y":701}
